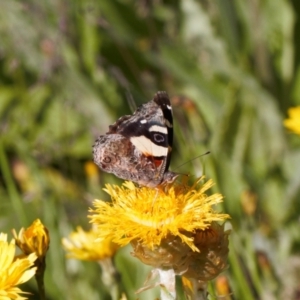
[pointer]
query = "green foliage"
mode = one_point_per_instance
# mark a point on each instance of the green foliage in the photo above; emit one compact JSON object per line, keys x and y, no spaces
{"x":69,"y":69}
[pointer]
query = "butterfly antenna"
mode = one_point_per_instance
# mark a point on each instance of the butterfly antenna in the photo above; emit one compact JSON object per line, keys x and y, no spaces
{"x":130,"y":101}
{"x":206,"y":153}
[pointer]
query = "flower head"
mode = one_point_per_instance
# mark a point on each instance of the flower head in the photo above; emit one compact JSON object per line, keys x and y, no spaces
{"x":91,"y":170}
{"x":149,"y":215}
{"x":205,"y":264}
{"x":293,"y":122}
{"x":33,"y":239}
{"x":13,"y":271}
{"x":85,"y":246}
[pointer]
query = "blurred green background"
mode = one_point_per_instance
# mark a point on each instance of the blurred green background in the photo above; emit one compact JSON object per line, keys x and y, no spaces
{"x":68,"y":69}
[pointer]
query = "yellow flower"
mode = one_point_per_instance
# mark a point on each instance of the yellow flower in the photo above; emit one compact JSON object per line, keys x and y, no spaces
{"x":13,"y":271}
{"x":91,"y":170}
{"x":174,"y":230}
{"x":85,"y":246}
{"x":293,"y":122}
{"x":150,"y":216}
{"x":223,"y":288}
{"x":33,"y":239}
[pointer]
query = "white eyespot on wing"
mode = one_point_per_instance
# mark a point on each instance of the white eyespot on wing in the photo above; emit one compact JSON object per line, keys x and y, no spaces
{"x":145,"y":145}
{"x":144,"y":121}
{"x":157,"y":128}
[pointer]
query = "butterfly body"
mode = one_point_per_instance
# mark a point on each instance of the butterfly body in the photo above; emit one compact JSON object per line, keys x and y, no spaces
{"x":138,"y":147}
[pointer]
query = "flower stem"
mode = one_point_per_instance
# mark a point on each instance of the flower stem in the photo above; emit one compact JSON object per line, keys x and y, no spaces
{"x":200,"y":288}
{"x":39,"y":276}
{"x":167,"y":284}
{"x":110,"y":277}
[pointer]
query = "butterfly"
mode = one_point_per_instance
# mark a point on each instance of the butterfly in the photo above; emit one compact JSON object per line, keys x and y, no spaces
{"x":138,"y":147}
